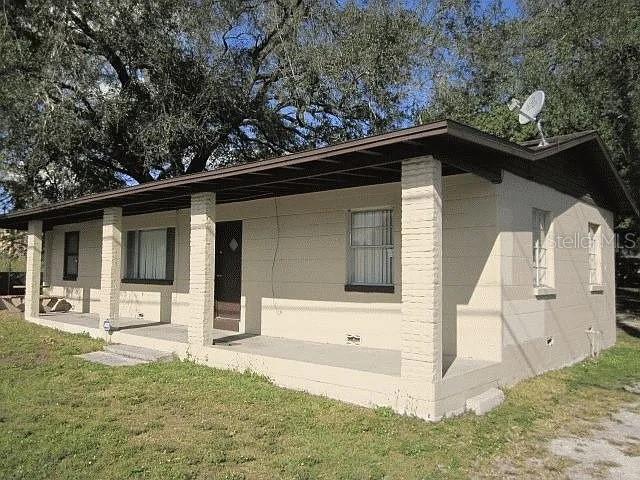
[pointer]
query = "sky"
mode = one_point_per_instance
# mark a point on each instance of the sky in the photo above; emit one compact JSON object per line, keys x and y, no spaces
{"x":511,"y":8}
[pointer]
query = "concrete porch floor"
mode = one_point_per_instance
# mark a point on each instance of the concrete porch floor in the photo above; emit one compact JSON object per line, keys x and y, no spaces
{"x":350,"y":373}
{"x":352,"y":357}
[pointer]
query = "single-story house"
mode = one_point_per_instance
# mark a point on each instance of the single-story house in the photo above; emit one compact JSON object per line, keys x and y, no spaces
{"x":413,"y":270}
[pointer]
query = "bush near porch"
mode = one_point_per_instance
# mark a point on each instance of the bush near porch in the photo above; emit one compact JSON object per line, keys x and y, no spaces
{"x":61,"y":417}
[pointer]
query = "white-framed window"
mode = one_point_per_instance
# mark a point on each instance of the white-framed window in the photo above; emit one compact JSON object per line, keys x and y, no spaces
{"x":542,"y":255}
{"x":595,"y":255}
{"x":371,"y":248}
{"x":150,"y":255}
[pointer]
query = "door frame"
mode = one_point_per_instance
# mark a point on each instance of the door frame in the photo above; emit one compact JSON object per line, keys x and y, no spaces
{"x":219,"y":276}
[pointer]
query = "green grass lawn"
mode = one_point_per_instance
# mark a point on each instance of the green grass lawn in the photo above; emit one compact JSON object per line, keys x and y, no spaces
{"x":61,"y":417}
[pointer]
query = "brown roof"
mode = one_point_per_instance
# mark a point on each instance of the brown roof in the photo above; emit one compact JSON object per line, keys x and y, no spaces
{"x":576,"y":164}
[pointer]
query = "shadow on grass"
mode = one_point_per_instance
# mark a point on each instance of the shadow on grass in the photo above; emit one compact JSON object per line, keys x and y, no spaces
{"x":629,"y":329}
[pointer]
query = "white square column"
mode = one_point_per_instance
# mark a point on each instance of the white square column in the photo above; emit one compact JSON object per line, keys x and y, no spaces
{"x":111,"y":269}
{"x":421,"y":324}
{"x":202,"y":268}
{"x":34,"y":268}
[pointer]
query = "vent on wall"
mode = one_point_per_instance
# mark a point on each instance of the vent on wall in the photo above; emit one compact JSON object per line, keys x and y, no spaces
{"x":353,"y":339}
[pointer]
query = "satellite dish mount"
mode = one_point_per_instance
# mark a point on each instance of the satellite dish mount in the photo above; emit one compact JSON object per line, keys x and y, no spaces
{"x":529,"y":112}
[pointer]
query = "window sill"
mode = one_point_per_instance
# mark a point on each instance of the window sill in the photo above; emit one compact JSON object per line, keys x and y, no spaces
{"x":544,"y":292}
{"x":145,"y":281}
{"x":370,"y":288}
{"x":596,"y":288}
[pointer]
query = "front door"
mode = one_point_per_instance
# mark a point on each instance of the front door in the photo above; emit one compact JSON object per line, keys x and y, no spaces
{"x":228,"y":275}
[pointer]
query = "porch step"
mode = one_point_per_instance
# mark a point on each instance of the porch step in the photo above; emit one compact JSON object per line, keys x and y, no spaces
{"x":226,"y":323}
{"x":111,"y":359}
{"x":138,"y":353}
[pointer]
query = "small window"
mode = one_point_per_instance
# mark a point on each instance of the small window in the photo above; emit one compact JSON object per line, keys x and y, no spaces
{"x":71,"y":250}
{"x":150,"y":255}
{"x":371,"y":248}
{"x":595,"y":255}
{"x":541,"y":250}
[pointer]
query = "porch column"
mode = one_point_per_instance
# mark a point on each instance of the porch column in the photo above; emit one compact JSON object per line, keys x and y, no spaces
{"x":421,"y":325}
{"x":34,"y":267}
{"x":201,"y":268}
{"x":110,"y":272}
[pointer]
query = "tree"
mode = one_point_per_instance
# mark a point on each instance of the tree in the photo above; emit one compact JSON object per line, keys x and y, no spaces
{"x":94,"y":94}
{"x":583,"y":54}
{"x":13,"y":246}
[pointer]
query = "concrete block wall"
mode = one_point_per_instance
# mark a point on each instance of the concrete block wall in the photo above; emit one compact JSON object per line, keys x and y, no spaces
{"x":421,"y":325}
{"x":543,"y":333}
{"x":83,"y":293}
{"x":35,"y":239}
{"x":164,"y":302}
{"x":305,"y":298}
{"x":472,"y":323}
{"x":421,"y":320}
{"x":301,"y":294}
{"x":157,"y":301}
{"x":201,"y":279}
{"x":111,"y":266}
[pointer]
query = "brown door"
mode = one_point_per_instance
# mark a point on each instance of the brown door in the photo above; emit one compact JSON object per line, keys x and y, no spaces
{"x":228,"y":274}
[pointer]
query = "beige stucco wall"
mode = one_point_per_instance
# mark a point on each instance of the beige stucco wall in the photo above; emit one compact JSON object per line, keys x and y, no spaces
{"x":530,"y":321}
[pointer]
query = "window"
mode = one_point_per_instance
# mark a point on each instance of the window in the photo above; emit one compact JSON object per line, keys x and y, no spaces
{"x":371,"y":249}
{"x":71,"y":248}
{"x":150,"y":255}
{"x":595,"y":260}
{"x":541,"y":252}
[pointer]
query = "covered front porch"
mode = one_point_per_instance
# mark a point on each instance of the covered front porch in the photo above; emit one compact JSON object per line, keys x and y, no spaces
{"x":421,"y":353}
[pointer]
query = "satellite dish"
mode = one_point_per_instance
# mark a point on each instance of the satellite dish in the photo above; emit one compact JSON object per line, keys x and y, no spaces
{"x":531,"y":107}
{"x":529,"y":112}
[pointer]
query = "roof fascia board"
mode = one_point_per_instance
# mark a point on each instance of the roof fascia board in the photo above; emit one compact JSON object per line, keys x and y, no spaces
{"x":423,"y":131}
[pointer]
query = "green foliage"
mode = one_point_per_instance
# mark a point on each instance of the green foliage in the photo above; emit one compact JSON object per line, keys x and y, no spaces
{"x":94,"y":93}
{"x":13,"y":250}
{"x":583,"y":54}
{"x":62,"y":417}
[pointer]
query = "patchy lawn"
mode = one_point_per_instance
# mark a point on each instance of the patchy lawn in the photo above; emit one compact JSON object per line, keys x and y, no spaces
{"x":61,"y":417}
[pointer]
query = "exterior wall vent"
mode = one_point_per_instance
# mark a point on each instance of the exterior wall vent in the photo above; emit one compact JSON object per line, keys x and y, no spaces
{"x":353,"y":339}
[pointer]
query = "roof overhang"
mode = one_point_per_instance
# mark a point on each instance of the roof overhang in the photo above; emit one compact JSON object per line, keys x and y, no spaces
{"x":368,"y":161}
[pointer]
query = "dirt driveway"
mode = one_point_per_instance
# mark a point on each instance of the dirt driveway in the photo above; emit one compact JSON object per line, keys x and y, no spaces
{"x":612,"y":452}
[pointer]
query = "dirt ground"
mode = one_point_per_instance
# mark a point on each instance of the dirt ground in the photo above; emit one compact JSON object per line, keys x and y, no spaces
{"x":607,"y":449}
{"x":611,"y":452}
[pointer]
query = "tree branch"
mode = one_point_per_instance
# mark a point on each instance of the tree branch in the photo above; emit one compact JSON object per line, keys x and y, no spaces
{"x":114,"y":60}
